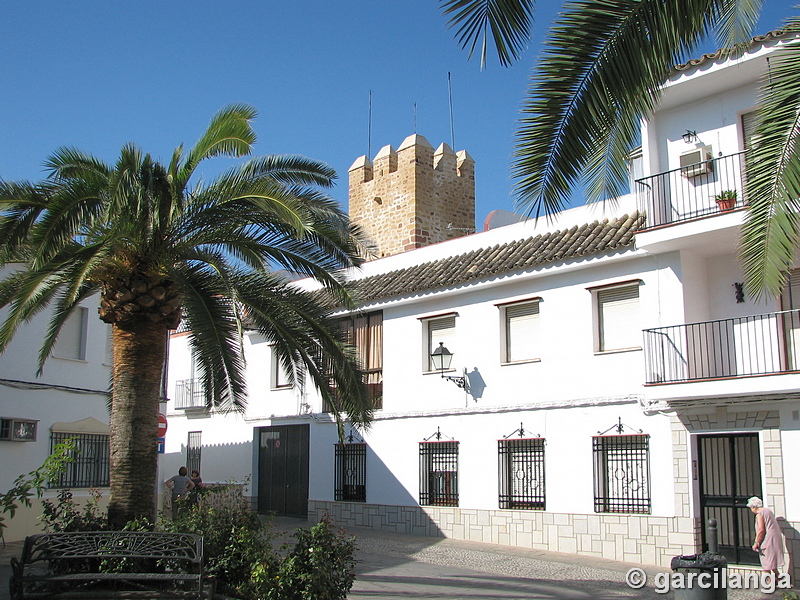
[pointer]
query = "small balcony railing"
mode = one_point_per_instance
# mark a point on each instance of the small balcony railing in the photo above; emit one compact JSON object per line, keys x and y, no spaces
{"x":740,"y":347}
{"x":688,"y":193}
{"x":189,"y":394}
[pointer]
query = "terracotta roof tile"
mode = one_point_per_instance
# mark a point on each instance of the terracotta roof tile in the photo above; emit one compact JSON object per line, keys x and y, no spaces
{"x":482,"y":263}
{"x":776,"y":34}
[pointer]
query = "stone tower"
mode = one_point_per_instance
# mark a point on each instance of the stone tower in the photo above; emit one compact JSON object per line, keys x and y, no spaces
{"x":413,"y":196}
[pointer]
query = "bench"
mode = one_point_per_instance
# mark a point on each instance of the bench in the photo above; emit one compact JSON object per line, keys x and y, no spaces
{"x":102,"y":564}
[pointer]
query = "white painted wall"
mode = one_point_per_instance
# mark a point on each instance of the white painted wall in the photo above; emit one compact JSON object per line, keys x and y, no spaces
{"x":66,"y":391}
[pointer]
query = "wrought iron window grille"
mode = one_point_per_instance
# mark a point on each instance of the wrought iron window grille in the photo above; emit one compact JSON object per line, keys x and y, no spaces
{"x":90,"y":465}
{"x":350,"y":474}
{"x":438,"y":471}
{"x":522,"y":471}
{"x":621,"y":472}
{"x":619,"y":428}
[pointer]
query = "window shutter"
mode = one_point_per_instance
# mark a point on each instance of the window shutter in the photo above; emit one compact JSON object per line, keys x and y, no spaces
{"x":72,"y":337}
{"x":522,"y":331}
{"x":748,"y":127}
{"x":441,"y":330}
{"x":618,"y":309}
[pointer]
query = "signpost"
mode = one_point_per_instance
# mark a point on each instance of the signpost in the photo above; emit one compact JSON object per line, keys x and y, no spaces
{"x":162,"y":431}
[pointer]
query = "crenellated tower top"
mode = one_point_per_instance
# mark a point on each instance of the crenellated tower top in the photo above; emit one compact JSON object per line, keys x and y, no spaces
{"x":413,"y":196}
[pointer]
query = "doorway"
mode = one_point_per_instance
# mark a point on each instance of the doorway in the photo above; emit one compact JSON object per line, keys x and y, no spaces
{"x":283,"y":470}
{"x":729,"y":468}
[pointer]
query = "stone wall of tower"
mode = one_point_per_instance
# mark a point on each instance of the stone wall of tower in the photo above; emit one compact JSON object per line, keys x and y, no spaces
{"x":413,"y":196}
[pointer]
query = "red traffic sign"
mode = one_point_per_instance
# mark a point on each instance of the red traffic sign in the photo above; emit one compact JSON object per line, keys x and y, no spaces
{"x":162,"y":425}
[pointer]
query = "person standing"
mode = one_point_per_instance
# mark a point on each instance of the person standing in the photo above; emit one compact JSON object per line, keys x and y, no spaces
{"x":768,"y":542}
{"x":180,"y":485}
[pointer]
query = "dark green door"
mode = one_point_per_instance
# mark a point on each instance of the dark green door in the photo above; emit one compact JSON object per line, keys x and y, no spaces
{"x":729,"y":474}
{"x":283,"y":470}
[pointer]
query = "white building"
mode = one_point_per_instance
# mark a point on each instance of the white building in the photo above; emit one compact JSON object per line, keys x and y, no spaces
{"x":620,"y":391}
{"x":68,"y":400}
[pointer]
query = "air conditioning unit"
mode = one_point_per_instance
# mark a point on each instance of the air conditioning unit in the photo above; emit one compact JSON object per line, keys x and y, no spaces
{"x":696,"y":162}
{"x":18,"y":430}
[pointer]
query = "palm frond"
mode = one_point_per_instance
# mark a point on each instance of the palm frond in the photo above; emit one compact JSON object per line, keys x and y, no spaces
{"x":71,"y":163}
{"x":215,"y":339}
{"x":308,"y":340}
{"x":771,"y":232}
{"x":289,"y":169}
{"x":603,"y":59}
{"x":63,"y":308}
{"x":229,"y":134}
{"x":507,"y":22}
{"x":735,"y":21}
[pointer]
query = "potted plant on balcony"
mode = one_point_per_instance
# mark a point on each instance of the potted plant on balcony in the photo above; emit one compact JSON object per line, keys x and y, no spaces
{"x":726,"y":199}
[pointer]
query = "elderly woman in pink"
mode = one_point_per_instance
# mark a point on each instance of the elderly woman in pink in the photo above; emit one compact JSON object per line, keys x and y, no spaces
{"x":768,"y":543}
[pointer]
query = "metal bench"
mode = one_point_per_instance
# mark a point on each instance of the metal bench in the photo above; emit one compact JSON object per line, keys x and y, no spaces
{"x":117,"y":564}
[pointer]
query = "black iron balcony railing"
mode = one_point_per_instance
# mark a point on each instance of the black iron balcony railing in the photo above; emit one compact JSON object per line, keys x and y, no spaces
{"x":744,"y":346}
{"x":189,"y":394}
{"x":689,"y":192}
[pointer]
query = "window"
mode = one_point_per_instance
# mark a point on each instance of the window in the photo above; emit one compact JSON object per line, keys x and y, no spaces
{"x":439,"y":330}
{"x":618,"y":318}
{"x":90,"y":465}
{"x":280,"y":379}
{"x":521,"y":473}
{"x":621,"y":473}
{"x":365,"y":332}
{"x":18,"y":430}
{"x":438,"y":473}
{"x":350,"y":477}
{"x":193,"y":450}
{"x":71,"y":341}
{"x":521,"y":331}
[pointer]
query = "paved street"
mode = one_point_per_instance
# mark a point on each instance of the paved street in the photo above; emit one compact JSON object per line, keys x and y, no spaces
{"x":397,"y":566}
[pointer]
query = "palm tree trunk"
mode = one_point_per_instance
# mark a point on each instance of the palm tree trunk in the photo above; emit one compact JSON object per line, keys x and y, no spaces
{"x":139,"y":354}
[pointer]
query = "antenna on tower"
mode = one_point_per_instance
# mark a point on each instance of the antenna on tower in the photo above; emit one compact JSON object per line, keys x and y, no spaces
{"x":369,"y":127}
{"x":415,"y":117}
{"x":452,"y":128}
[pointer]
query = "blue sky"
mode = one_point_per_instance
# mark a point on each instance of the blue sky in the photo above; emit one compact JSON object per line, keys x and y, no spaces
{"x":96,"y":75}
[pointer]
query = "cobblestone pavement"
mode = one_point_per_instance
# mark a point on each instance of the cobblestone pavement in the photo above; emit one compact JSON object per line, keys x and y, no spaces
{"x":406,"y":567}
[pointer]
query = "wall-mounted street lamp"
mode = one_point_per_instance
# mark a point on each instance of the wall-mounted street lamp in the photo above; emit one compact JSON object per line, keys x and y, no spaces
{"x":690,"y":136}
{"x":441,"y":359}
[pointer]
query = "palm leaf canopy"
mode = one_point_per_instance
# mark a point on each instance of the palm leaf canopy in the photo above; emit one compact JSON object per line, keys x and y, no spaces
{"x":213,"y":250}
{"x":600,"y":73}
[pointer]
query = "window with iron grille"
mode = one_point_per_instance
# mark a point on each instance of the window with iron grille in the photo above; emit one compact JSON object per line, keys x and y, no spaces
{"x":438,"y":473}
{"x":90,"y":465}
{"x":622,"y":473}
{"x":350,"y":477}
{"x":521,"y":473}
{"x":193,"y":451}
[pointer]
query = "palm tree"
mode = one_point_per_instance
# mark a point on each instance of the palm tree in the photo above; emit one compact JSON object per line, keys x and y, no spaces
{"x":158,"y":251}
{"x":600,"y":73}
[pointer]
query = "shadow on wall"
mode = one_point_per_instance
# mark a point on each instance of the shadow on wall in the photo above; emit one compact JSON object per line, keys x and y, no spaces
{"x":791,"y":538}
{"x":219,"y":463}
{"x":404,"y":515}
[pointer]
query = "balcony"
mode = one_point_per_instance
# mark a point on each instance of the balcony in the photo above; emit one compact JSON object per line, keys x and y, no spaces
{"x":687,"y":193}
{"x":766,"y":344}
{"x":189,"y":394}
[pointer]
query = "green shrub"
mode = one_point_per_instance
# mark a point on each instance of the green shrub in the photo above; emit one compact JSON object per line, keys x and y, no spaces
{"x":234,"y":538}
{"x":66,"y":515}
{"x":34,"y":483}
{"x":320,"y":567}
